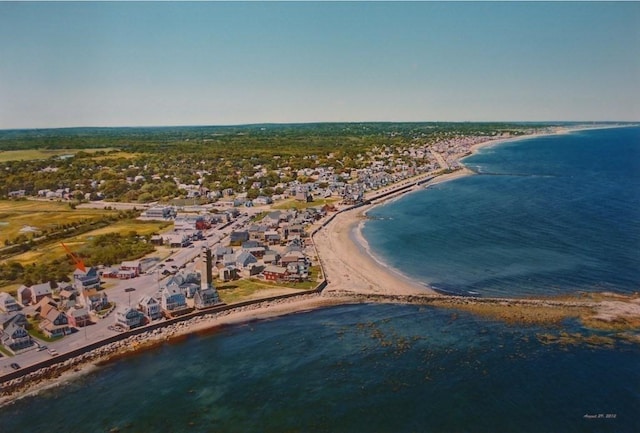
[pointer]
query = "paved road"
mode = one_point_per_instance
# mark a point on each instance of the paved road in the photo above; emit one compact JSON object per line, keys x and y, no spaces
{"x":147,"y":284}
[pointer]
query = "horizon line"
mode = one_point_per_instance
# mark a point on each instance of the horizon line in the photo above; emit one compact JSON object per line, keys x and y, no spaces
{"x":230,"y":125}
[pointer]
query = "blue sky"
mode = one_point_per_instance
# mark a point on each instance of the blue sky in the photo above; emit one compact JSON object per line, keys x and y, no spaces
{"x":150,"y":63}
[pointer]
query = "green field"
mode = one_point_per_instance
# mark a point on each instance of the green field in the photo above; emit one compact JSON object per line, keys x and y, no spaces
{"x":246,"y":289}
{"x":20,"y":215}
{"x":293,"y":203}
{"x":31,"y":154}
{"x":54,"y":250}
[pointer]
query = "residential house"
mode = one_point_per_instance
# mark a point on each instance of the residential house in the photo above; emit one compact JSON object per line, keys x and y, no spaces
{"x":89,"y":279}
{"x":150,"y":307}
{"x":271,"y":257}
{"x":220,"y":252}
{"x":229,"y":260}
{"x":126,"y":274}
{"x":28,"y":295}
{"x":293,"y":257}
{"x":68,"y":297}
{"x":244,"y":259}
{"x":228,"y":273}
{"x":238,"y":237}
{"x":95,"y":300}
{"x":256,"y":252}
{"x":178,"y":240}
{"x":172,"y":298}
{"x":14,"y":336}
{"x":256,"y":232}
{"x":274,"y":273}
{"x":272,"y":237}
{"x":157,"y":240}
{"x":132,"y":265}
{"x":79,"y":317}
{"x":303,"y":196}
{"x":7,"y":303}
{"x":272,"y":219}
{"x":206,"y":297}
{"x":18,"y":318}
{"x":128,"y":317}
{"x":262,"y":200}
{"x":55,"y":324}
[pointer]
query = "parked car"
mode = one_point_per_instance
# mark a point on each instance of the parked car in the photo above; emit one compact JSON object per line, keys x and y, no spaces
{"x":15,"y":366}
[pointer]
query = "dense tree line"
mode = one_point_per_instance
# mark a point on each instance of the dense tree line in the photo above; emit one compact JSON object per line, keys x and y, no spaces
{"x":112,"y":248}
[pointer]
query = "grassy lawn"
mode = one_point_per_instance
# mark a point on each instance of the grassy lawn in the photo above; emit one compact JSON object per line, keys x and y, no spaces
{"x":293,"y":203}
{"x":245,"y":289}
{"x":14,"y":215}
{"x":31,"y":154}
{"x":5,"y":352}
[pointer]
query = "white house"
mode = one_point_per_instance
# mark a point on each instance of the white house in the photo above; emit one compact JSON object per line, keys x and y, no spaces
{"x":8,"y":303}
{"x":150,"y":307}
{"x":128,"y":318}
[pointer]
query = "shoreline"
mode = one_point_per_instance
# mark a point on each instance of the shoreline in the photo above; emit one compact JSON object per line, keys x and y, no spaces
{"x":353,"y":274}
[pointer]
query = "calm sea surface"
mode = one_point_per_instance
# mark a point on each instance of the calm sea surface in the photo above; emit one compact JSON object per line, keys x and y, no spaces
{"x":547,"y":216}
{"x":550,"y":215}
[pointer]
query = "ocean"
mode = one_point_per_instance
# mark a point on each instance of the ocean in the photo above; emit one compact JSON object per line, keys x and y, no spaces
{"x":545,"y":216}
{"x":550,"y":215}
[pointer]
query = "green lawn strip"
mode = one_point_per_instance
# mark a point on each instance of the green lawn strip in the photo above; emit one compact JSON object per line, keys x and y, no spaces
{"x":292,"y":203}
{"x":241,"y":290}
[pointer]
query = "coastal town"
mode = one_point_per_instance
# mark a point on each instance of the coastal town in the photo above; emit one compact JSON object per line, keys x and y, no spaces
{"x":240,"y":238}
{"x":206,"y":247}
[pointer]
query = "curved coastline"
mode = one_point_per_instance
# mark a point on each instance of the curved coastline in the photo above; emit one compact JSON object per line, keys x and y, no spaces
{"x":352,"y":272}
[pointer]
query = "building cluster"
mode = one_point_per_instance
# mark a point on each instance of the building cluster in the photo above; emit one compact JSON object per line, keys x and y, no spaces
{"x":55,"y":310}
{"x":327,"y":176}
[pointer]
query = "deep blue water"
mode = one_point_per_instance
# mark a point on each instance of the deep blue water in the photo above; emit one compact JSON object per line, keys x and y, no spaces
{"x":548,"y":216}
{"x":366,"y":368}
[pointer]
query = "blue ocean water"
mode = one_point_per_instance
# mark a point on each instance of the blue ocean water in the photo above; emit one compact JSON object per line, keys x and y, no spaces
{"x":549,"y":215}
{"x":546,"y":216}
{"x":365,"y":368}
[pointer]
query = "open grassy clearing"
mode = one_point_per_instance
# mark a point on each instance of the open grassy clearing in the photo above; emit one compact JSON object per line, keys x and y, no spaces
{"x":293,"y":203}
{"x":31,"y":154}
{"x":18,"y":216}
{"x":245,"y":289}
{"x":54,"y":250}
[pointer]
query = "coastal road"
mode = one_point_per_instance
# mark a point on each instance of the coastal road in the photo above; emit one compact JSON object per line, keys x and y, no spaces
{"x":147,"y":284}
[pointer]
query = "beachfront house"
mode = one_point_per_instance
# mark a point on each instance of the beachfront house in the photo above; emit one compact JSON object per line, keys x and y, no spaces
{"x":150,"y":307}
{"x":128,"y":317}
{"x":172,"y":298}
{"x":206,"y":297}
